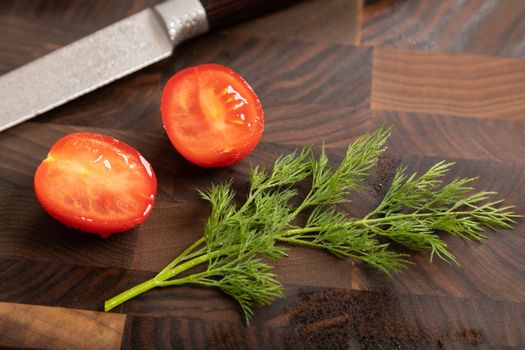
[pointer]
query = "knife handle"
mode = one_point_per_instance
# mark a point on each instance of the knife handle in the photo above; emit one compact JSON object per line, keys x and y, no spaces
{"x":222,"y":13}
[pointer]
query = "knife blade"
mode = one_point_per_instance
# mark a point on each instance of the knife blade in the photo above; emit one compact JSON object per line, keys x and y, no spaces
{"x":113,"y":52}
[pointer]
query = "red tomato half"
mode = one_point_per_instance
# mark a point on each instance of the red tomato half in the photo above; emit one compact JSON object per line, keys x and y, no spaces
{"x":211,"y":114}
{"x":96,"y":184}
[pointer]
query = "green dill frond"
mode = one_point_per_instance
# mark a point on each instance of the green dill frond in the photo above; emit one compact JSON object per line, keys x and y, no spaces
{"x":361,"y":156}
{"x":287,"y":170}
{"x":250,"y":282}
{"x":333,"y":231}
{"x":290,"y":169}
{"x":415,"y":209}
{"x":412,"y":192}
{"x":416,"y":234}
{"x":222,"y":200}
{"x":413,"y":212}
{"x":330,"y":186}
{"x":258,"y":176}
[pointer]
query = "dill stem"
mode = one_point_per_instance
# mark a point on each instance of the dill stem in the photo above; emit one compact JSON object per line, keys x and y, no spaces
{"x":130,"y":294}
{"x":182,"y":255}
{"x":183,"y":267}
{"x":159,"y":280}
{"x":365,"y":222}
{"x":293,"y":240}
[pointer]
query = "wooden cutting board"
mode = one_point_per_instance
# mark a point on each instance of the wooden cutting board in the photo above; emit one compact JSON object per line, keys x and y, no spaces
{"x":450,"y":75}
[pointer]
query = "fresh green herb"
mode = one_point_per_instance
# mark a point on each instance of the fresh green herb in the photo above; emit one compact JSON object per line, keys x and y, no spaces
{"x":410,"y":214}
{"x":238,"y":241}
{"x":235,"y":240}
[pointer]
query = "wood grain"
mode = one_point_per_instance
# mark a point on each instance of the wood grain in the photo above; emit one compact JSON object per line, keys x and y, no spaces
{"x":24,"y":40}
{"x":319,"y":82}
{"x":490,"y":27}
{"x":335,"y":21}
{"x":446,"y":84}
{"x":32,"y":326}
{"x":340,"y":318}
{"x":445,"y":136}
{"x":284,"y":128}
{"x":75,"y":13}
{"x":82,"y":287}
{"x":173,"y":304}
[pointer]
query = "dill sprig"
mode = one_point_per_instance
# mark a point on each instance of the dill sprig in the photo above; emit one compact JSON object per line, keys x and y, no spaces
{"x":238,"y":241}
{"x":415,"y":208}
{"x":411,"y":214}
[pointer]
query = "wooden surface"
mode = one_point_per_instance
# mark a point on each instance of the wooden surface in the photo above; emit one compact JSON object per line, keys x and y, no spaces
{"x":448,"y":74}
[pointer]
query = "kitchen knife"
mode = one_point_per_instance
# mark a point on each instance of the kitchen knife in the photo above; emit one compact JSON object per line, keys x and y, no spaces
{"x":115,"y":51}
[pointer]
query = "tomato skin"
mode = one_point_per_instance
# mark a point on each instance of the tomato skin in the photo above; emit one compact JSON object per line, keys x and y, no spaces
{"x":96,"y":184}
{"x":211,"y":115}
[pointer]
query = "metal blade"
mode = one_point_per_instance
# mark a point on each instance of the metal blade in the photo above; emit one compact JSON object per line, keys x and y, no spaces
{"x":98,"y":59}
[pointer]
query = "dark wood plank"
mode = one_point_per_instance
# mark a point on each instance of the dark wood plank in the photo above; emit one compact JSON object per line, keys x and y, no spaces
{"x":340,"y":125}
{"x":335,"y":21}
{"x":24,"y":40}
{"x":340,"y":319}
{"x":491,"y":27}
{"x":27,"y":281}
{"x":446,"y":136}
{"x":384,"y":319}
{"x":433,"y":135}
{"x":74,"y":13}
{"x":30,"y":326}
{"x":448,"y":84}
{"x":196,"y":316}
{"x":81,"y":287}
{"x":28,"y":232}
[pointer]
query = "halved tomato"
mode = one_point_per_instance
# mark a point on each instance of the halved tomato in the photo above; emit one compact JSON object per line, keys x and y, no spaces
{"x":96,"y":184}
{"x":211,"y":115}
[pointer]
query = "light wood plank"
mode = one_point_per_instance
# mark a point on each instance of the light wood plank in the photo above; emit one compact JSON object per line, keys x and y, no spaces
{"x":448,"y":84}
{"x":47,"y":327}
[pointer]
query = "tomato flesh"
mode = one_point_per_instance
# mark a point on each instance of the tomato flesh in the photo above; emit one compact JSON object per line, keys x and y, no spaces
{"x":211,"y":115}
{"x":95,"y":183}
